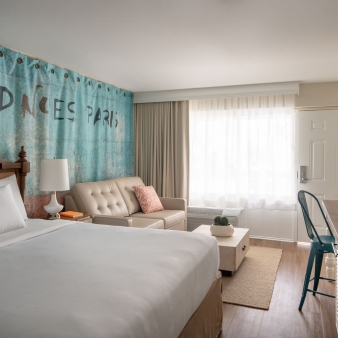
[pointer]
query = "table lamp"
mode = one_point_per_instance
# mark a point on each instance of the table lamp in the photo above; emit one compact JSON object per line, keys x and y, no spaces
{"x":54,"y":177}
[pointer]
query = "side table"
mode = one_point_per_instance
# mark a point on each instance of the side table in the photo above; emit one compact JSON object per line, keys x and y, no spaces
{"x":85,"y":218}
{"x":232,"y":250}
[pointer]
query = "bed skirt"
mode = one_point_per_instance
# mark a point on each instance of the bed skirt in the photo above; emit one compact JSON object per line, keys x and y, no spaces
{"x":207,"y":320}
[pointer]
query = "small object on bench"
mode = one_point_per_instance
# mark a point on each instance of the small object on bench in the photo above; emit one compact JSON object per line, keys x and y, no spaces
{"x":71,"y":214}
{"x":221,"y":227}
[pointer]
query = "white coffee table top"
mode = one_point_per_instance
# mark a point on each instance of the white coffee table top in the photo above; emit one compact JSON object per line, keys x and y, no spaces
{"x":232,"y":241}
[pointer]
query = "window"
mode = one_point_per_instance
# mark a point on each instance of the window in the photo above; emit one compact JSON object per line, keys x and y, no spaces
{"x":242,"y":153}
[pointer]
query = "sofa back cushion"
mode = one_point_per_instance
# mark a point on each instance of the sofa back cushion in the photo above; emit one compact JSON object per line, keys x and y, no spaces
{"x":125,"y":185}
{"x":99,"y":198}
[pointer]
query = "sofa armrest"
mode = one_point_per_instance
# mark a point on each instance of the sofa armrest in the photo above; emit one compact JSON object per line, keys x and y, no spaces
{"x":174,"y":203}
{"x":112,"y":220}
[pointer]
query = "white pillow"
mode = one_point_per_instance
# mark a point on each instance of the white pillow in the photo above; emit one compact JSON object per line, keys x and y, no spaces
{"x":16,"y":193}
{"x":10,"y":216}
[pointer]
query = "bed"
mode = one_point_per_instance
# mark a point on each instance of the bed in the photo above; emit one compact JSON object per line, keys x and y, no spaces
{"x":72,"y":279}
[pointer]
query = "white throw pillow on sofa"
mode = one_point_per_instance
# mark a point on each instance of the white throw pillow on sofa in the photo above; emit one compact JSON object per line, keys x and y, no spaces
{"x":10,"y":216}
{"x":11,"y":180}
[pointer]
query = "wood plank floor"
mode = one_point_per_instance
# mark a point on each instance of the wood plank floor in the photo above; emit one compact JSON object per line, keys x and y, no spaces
{"x":283,"y":318}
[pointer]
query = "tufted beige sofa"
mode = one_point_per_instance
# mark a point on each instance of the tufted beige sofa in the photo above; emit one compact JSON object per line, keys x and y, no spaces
{"x":113,"y":202}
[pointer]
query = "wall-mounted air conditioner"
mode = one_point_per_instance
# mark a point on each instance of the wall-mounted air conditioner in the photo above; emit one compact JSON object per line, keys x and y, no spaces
{"x":203,"y":215}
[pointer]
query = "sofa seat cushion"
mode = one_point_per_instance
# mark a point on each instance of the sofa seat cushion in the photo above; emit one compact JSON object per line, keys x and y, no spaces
{"x":140,"y":222}
{"x":99,"y":198}
{"x":169,"y":217}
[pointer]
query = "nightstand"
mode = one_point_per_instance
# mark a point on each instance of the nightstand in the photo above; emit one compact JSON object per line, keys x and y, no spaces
{"x":85,"y":218}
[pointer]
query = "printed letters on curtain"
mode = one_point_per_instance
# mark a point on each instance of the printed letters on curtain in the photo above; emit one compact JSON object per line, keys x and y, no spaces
{"x":55,"y":112}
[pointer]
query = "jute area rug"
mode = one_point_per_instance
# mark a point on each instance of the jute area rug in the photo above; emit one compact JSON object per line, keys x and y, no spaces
{"x":252,"y":284}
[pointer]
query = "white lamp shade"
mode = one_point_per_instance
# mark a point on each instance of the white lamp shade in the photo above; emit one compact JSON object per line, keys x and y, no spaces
{"x":54,"y":175}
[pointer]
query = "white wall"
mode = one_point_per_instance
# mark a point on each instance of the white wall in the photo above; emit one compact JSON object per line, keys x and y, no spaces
{"x":274,"y":225}
{"x":317,"y":96}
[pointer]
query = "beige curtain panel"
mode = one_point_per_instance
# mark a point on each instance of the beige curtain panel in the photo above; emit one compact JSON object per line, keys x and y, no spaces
{"x":162,"y":146}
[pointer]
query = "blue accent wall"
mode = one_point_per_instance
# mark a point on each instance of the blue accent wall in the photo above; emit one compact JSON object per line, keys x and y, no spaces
{"x":56,"y":112}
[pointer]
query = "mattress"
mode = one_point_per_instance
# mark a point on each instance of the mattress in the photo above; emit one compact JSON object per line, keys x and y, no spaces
{"x":69,"y":279}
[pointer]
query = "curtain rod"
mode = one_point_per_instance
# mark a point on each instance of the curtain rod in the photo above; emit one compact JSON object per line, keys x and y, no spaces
{"x":282,"y":88}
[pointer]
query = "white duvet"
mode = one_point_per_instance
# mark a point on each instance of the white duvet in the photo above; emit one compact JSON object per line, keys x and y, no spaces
{"x":83,"y":280}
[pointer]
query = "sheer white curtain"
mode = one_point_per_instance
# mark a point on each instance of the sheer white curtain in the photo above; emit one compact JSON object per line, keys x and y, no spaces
{"x":242,"y":152}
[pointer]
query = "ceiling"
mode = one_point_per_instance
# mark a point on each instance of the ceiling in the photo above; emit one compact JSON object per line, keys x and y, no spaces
{"x":150,"y":45}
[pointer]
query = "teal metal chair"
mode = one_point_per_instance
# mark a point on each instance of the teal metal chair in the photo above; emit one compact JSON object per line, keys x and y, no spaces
{"x":319,"y":246}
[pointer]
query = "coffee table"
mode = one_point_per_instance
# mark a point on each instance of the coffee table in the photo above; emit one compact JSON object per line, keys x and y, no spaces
{"x":232,"y":250}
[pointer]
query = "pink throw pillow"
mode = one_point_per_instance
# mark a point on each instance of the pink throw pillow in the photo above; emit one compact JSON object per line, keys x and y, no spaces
{"x":148,"y":199}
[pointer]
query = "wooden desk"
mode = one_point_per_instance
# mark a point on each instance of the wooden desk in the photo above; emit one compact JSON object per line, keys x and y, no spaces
{"x":330,"y":208}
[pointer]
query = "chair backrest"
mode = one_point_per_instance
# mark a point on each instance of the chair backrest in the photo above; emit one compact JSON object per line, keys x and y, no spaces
{"x":311,"y":230}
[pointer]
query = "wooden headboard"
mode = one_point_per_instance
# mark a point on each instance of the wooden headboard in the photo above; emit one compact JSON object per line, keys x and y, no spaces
{"x":21,"y":168}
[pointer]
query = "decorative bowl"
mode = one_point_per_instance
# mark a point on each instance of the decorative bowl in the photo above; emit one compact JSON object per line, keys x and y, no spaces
{"x":222,"y":230}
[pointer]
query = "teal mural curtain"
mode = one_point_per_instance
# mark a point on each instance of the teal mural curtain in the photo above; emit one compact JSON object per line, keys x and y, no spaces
{"x":55,"y":112}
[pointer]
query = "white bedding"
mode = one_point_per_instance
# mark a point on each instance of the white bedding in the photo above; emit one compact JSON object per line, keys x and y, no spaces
{"x":34,"y":227}
{"x":68,"y":279}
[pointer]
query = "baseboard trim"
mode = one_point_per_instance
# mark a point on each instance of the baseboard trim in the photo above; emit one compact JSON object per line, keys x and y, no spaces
{"x":273,"y":239}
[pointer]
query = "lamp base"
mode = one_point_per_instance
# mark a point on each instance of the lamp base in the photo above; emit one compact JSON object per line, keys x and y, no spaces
{"x":53,"y":208}
{"x":53,"y":216}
